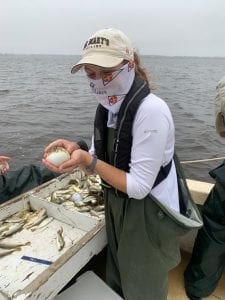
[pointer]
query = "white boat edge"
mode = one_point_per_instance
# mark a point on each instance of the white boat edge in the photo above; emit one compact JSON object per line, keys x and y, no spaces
{"x":199,"y":191}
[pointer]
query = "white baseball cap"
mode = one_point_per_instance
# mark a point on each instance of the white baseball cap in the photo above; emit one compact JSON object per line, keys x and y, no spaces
{"x":106,"y":48}
{"x":220,"y":106}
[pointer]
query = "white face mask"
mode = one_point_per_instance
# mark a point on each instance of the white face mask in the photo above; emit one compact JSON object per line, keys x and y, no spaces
{"x":113,"y":87}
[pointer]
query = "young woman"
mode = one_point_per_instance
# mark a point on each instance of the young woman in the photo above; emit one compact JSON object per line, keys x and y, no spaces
{"x":132,"y":151}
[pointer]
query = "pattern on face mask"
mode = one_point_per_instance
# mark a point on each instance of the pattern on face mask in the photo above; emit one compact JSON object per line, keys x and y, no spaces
{"x":113,"y":87}
{"x":109,"y":77}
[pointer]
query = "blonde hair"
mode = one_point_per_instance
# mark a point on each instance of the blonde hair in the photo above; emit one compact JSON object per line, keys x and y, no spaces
{"x":140,"y":71}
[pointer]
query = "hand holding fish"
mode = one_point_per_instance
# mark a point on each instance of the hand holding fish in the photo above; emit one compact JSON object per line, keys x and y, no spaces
{"x":78,"y":158}
{"x":57,"y":152}
{"x":66,"y":144}
{"x":63,"y":156}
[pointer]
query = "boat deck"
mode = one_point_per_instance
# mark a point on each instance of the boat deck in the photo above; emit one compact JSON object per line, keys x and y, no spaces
{"x":176,"y":283}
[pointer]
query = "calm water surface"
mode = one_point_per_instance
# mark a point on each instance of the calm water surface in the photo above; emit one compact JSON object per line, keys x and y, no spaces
{"x":41,"y":101}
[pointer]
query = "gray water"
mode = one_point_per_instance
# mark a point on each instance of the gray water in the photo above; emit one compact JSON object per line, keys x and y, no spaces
{"x":41,"y":101}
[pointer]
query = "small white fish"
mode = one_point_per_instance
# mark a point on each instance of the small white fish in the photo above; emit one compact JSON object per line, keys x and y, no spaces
{"x":14,"y":220}
{"x":37,"y":218}
{"x":13,"y":246}
{"x":9,"y":251}
{"x":94,"y":213}
{"x":41,"y":212}
{"x":84,"y":209}
{"x":60,"y":240}
{"x":4,"y":227}
{"x":100,"y":208}
{"x":44,"y":223}
{"x":12,"y":229}
{"x":35,"y":221}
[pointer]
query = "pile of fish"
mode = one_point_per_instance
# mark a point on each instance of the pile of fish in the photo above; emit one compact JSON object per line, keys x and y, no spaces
{"x":29,"y":219}
{"x":83,"y":194}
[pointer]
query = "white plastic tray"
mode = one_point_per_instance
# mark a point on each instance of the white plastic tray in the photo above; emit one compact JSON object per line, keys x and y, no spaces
{"x":48,"y":270}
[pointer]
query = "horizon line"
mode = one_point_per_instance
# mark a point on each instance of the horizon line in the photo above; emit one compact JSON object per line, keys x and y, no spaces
{"x":159,"y":55}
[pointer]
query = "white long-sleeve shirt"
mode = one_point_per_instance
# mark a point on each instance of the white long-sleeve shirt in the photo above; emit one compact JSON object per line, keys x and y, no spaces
{"x":153,"y":146}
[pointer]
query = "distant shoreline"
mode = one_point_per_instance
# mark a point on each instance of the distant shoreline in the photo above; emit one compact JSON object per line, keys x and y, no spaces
{"x":143,"y":55}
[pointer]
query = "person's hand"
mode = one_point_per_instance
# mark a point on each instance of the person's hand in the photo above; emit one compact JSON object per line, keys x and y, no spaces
{"x":78,"y":158}
{"x":4,"y":166}
{"x":67,"y":166}
{"x":68,"y":145}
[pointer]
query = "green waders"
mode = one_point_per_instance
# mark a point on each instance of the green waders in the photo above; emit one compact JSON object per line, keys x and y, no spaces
{"x":143,"y":245}
{"x":14,"y":183}
{"x":207,"y":263}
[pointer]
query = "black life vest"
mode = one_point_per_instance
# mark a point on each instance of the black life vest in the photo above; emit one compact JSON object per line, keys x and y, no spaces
{"x":121,"y":154}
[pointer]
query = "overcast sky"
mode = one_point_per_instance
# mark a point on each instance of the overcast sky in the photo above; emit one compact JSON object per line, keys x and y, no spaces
{"x":156,"y":27}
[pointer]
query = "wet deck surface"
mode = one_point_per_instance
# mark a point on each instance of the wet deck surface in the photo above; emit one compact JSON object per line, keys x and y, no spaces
{"x":176,"y":283}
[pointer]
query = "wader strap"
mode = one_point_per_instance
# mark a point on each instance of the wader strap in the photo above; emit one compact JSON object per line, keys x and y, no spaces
{"x":163,"y":173}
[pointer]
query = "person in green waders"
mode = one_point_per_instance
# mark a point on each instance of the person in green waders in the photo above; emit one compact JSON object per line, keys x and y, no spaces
{"x":207,"y":263}
{"x":132,"y":151}
{"x":16,"y":182}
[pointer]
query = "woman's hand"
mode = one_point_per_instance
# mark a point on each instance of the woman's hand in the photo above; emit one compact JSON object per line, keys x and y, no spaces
{"x":4,"y":166}
{"x":68,"y":145}
{"x":77,"y":156}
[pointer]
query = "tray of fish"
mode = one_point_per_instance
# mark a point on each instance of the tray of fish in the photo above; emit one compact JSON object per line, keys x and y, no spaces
{"x":82,"y":194}
{"x":46,"y":235}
